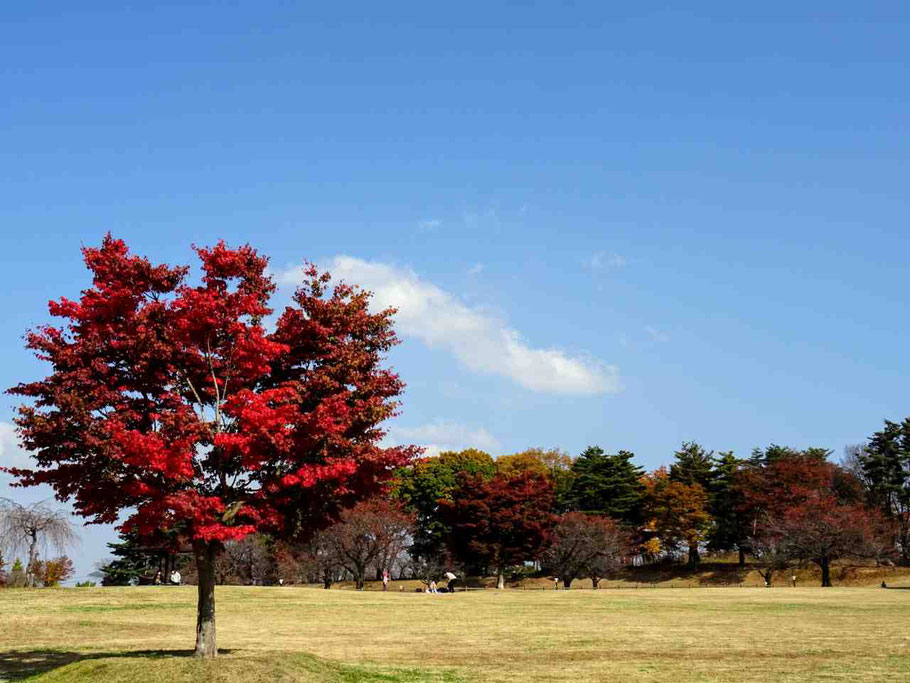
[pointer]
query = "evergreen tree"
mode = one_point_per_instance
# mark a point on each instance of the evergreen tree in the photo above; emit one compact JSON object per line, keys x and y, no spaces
{"x":607,"y":485}
{"x":694,"y":465}
{"x":135,"y":562}
{"x":885,"y":464}
{"x":726,"y":506}
{"x":774,"y":453}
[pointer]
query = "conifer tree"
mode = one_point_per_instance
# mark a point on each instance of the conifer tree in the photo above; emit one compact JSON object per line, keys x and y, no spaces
{"x":608,"y":485}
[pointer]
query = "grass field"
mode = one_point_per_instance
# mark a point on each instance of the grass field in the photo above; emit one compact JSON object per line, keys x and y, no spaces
{"x":289,"y":634}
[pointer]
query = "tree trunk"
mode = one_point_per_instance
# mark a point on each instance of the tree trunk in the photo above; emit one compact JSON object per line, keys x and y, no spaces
{"x":595,"y":582}
{"x":205,"y":554}
{"x":826,"y":573}
{"x":501,"y":582}
{"x":567,"y":582}
{"x":693,"y":556}
{"x":31,"y":579}
{"x":742,"y":558}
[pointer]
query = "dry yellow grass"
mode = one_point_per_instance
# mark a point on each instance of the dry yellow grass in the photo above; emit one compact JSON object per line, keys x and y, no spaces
{"x":273,"y":634}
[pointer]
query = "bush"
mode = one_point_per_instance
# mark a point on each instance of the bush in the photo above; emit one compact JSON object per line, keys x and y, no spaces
{"x":16,"y":578}
{"x":51,"y":572}
{"x":85,"y":584}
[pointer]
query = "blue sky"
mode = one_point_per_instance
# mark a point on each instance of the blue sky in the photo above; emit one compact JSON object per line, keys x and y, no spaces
{"x":629,"y":227}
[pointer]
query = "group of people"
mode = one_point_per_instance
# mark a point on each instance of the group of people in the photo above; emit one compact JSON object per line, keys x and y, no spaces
{"x":173,"y":580}
{"x":450,"y":586}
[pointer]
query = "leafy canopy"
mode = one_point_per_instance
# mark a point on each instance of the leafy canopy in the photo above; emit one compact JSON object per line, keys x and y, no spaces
{"x":171,"y":400}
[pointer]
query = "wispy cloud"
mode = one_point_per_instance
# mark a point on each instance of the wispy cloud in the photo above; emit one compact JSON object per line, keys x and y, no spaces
{"x":11,"y":453}
{"x":657,"y":335}
{"x":476,"y":269}
{"x":443,"y":435}
{"x":604,"y":260}
{"x":428,"y":224}
{"x":479,"y":340}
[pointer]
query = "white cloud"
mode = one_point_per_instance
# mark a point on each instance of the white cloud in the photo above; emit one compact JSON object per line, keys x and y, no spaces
{"x":443,"y":435}
{"x":429,"y":224}
{"x":602,"y":260}
{"x":656,"y":334}
{"x":11,"y":453}
{"x":477,"y":339}
{"x":476,"y":269}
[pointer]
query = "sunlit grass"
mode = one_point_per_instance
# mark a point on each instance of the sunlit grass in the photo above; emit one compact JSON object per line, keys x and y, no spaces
{"x":275,"y":634}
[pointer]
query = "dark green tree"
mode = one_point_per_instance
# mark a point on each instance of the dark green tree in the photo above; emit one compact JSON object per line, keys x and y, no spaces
{"x":609,"y":485}
{"x":885,"y":464}
{"x":136,"y":562}
{"x":726,"y":507}
{"x":774,"y":453}
{"x":693,"y":465}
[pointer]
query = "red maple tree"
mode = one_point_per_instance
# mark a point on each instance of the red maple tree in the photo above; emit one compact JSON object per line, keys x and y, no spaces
{"x":499,"y":522}
{"x":174,"y":402}
{"x":804,"y":509}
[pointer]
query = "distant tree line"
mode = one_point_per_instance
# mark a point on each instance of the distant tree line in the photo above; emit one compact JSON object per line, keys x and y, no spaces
{"x":588,"y":516}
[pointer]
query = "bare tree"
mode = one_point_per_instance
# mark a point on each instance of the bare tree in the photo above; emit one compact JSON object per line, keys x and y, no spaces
{"x":317,"y":559}
{"x":372,"y":532}
{"x":772,"y":552}
{"x":244,"y":562}
{"x":28,"y":528}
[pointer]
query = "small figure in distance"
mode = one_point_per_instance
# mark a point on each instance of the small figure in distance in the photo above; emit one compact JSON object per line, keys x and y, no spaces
{"x":157,"y":580}
{"x":385,"y":580}
{"x":432,"y":588}
{"x":794,"y":580}
{"x":884,"y":585}
{"x":450,"y":586}
{"x":175,"y":578}
{"x":556,"y":583}
{"x":280,"y":582}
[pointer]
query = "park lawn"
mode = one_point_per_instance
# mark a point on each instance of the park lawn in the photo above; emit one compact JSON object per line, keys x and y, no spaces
{"x":290,"y":634}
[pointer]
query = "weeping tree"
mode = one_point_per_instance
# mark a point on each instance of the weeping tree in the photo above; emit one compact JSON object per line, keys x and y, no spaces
{"x":29,"y":529}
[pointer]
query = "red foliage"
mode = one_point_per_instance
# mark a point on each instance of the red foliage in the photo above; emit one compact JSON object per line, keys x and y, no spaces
{"x":771,"y":489}
{"x":173,"y":400}
{"x":52,"y":572}
{"x":802,"y":508}
{"x":822,"y":529}
{"x":502,"y":521}
{"x":585,"y":545}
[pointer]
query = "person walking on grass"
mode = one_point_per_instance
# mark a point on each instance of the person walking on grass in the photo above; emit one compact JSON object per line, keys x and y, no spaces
{"x":385,"y":580}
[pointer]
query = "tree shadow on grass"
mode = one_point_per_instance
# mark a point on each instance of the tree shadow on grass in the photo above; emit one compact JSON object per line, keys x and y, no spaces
{"x":18,"y":665}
